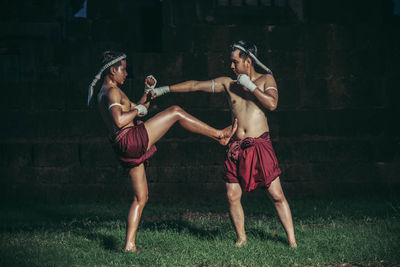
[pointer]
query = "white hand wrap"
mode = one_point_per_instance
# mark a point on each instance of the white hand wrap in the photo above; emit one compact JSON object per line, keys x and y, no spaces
{"x":245,"y":81}
{"x":155,"y":82}
{"x":159,"y":91}
{"x":142,"y":110}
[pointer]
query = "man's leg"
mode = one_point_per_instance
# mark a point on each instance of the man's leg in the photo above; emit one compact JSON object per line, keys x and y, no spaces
{"x":234,"y":194}
{"x":275,"y":193}
{"x":138,"y":179}
{"x":158,"y":125}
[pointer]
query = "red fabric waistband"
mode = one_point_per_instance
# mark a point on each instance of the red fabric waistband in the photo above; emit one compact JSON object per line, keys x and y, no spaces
{"x":250,"y":141}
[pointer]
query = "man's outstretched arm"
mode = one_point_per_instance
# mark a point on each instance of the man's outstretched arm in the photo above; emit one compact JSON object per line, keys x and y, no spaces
{"x":217,"y":85}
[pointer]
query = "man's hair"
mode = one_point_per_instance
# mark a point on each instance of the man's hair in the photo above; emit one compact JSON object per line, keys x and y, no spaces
{"x":109,"y":56}
{"x":246,"y":45}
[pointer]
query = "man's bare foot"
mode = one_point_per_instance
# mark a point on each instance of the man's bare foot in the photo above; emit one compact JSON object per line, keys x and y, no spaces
{"x":241,"y":243}
{"x":227,"y":133}
{"x":293,"y":244}
{"x":130,"y":247}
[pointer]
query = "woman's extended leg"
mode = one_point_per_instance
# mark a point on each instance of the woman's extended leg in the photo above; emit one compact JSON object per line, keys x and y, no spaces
{"x":138,"y":179}
{"x":158,"y":125}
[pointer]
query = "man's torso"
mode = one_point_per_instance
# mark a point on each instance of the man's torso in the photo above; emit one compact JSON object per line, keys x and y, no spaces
{"x":252,"y":121}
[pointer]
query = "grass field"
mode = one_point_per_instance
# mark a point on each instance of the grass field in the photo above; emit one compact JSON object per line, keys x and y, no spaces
{"x":343,"y":232}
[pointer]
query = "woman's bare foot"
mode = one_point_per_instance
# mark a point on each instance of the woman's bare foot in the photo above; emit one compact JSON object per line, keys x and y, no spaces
{"x":293,"y":244}
{"x":227,"y":133}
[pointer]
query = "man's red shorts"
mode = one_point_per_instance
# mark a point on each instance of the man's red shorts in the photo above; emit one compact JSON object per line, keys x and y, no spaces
{"x":251,"y":162}
{"x":130,"y":146}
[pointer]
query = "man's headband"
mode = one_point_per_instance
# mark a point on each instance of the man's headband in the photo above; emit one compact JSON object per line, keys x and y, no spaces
{"x":254,"y":58}
{"x":98,"y":76}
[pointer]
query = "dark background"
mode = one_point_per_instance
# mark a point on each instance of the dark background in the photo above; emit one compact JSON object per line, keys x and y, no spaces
{"x":336,"y":63}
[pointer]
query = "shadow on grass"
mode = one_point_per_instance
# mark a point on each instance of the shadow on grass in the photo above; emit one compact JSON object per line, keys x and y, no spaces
{"x":181,"y":226}
{"x":208,"y":233}
{"x":111,"y":243}
{"x":108,"y":242}
{"x":264,"y":236}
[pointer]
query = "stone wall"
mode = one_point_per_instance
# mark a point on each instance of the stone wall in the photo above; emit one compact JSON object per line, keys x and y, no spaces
{"x":335,"y":130}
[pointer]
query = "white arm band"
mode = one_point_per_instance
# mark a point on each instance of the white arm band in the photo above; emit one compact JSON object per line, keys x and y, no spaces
{"x":114,"y":104}
{"x":271,"y":88}
{"x":142,"y":110}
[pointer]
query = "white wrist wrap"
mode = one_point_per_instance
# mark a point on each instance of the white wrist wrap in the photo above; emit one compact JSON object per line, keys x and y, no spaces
{"x":159,"y":91}
{"x":245,"y":81}
{"x":149,"y":91}
{"x":142,"y":110}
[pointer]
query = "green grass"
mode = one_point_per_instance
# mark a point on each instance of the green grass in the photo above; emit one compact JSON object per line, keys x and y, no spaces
{"x":353,"y":232}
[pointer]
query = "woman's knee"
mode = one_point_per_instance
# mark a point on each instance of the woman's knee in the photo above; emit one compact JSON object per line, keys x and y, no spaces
{"x":175,"y":109}
{"x":142,"y":199}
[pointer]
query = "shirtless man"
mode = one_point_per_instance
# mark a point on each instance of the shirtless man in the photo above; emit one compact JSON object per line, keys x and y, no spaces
{"x":134,"y":143}
{"x":251,"y":161}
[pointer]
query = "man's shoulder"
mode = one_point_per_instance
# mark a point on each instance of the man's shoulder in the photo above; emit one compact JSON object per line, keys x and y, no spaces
{"x":110,"y":92}
{"x":266,"y":76}
{"x":267,"y":79}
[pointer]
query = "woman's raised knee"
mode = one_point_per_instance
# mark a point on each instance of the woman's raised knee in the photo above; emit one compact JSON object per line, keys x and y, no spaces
{"x":175,"y":109}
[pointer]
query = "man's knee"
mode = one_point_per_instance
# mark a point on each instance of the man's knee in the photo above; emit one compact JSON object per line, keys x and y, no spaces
{"x":233,"y":195}
{"x":277,"y":196}
{"x":275,"y":191}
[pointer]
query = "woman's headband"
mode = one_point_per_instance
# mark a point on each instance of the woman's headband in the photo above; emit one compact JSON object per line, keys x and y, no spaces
{"x":98,"y":76}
